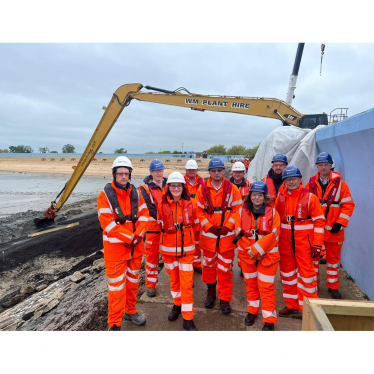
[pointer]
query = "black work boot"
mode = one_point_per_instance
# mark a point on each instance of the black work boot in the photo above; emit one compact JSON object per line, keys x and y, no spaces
{"x":335,"y":294}
{"x":249,"y":319}
{"x":175,"y":312}
{"x":189,"y":325}
{"x":268,"y":326}
{"x":322,"y":261}
{"x":210,"y":295}
{"x":225,"y":306}
{"x":115,"y":328}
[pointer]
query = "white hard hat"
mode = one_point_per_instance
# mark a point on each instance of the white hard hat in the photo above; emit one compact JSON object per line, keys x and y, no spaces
{"x":122,"y":161}
{"x":176,"y":177}
{"x":191,"y":164}
{"x":238,"y":166}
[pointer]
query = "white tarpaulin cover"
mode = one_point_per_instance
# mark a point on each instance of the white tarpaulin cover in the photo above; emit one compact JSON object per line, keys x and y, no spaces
{"x":298,"y":145}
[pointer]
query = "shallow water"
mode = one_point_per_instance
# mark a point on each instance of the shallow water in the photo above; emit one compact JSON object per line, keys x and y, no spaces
{"x":20,"y":192}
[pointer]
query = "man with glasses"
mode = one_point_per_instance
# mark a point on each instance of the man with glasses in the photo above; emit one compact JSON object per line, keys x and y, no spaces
{"x":152,"y":190}
{"x":274,"y":179}
{"x":300,"y":240}
{"x":338,"y":205}
{"x":218,"y":202}
{"x":123,"y":217}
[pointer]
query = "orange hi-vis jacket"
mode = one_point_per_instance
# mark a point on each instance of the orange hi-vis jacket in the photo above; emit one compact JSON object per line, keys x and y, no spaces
{"x":271,"y":188}
{"x":192,"y":190}
{"x":182,"y":239}
{"x":244,"y":189}
{"x":209,"y":241}
{"x":246,"y":163}
{"x":260,"y":234}
{"x":302,"y":220}
{"x":115,"y":236}
{"x":341,"y":208}
{"x":152,"y":195}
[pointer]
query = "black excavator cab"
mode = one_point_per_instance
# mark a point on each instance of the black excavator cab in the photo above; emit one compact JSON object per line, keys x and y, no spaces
{"x":311,"y":121}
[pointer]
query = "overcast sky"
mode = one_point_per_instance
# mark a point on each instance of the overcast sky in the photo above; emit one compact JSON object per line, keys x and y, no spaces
{"x":53,"y":94}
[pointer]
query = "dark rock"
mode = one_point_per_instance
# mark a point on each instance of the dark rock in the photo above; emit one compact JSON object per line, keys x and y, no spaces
{"x":28,"y":315}
{"x":15,"y":300}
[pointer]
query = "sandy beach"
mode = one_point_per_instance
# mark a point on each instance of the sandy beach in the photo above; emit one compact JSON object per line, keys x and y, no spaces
{"x":31,"y":164}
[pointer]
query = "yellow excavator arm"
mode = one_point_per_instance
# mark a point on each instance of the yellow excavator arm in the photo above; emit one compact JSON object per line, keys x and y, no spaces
{"x":255,"y":106}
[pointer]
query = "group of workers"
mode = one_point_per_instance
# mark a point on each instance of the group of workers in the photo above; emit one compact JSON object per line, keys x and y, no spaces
{"x":187,"y":219}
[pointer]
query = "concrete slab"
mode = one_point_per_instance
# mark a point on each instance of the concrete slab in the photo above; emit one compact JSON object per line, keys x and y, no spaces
{"x":157,"y":309}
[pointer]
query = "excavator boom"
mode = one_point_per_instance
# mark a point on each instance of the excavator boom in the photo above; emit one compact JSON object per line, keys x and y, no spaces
{"x":256,"y":106}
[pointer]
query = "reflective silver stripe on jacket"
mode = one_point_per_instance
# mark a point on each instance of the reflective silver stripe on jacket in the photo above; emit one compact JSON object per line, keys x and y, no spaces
{"x":237,"y":202}
{"x":274,"y":250}
{"x":294,"y":281}
{"x":259,"y":248}
{"x":344,"y":216}
{"x":204,"y":222}
{"x":143,"y":206}
{"x":133,"y":272}
{"x":118,"y":288}
{"x":178,"y":249}
{"x":104,"y":210}
{"x":148,"y":272}
{"x":269,"y":314}
{"x":332,"y":280}
{"x":200,"y":205}
{"x":226,"y":260}
{"x":275,"y":231}
{"x":132,"y":280}
{"x":111,"y":240}
{"x":219,"y":266}
{"x":346,"y":199}
{"x":297,"y":227}
{"x":143,"y":219}
{"x":319,"y":217}
{"x":111,"y":226}
{"x":151,"y":279}
{"x":332,"y":272}
{"x":210,"y":235}
{"x":320,"y":230}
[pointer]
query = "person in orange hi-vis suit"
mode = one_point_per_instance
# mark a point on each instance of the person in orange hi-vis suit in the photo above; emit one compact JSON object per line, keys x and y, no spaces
{"x":257,"y":236}
{"x":300,"y":240}
{"x":177,"y":215}
{"x":274,"y":179}
{"x":246,"y":163}
{"x":338,"y":205}
{"x":123,"y":216}
{"x":193,"y":182}
{"x":237,"y":179}
{"x":218,"y":203}
{"x":152,"y":190}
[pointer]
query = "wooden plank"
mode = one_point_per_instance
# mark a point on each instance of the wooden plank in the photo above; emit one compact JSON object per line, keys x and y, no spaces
{"x":346,"y":307}
{"x":351,"y":323}
{"x":52,"y":230}
{"x":314,"y":317}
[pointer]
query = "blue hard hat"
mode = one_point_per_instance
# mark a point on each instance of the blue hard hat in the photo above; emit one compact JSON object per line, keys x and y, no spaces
{"x":156,"y":165}
{"x":291,"y":171}
{"x":216,"y":162}
{"x":280,"y":157}
{"x":258,"y":186}
{"x":324,"y":157}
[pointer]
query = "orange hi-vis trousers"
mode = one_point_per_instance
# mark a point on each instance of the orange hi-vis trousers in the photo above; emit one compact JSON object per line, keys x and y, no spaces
{"x":123,"y":283}
{"x":180,"y":270}
{"x":152,"y":255}
{"x":298,"y":277}
{"x":259,"y":280}
{"x":198,"y":251}
{"x":332,"y":256}
{"x":219,"y":265}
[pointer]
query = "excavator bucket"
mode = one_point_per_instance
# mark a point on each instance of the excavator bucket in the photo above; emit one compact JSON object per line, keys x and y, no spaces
{"x":48,"y":219}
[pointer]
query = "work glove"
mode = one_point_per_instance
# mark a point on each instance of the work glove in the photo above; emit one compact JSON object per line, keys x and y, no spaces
{"x":336,"y":228}
{"x":224,"y":231}
{"x":215,"y":230}
{"x":135,"y":241}
{"x":315,"y":251}
{"x":251,"y":255}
